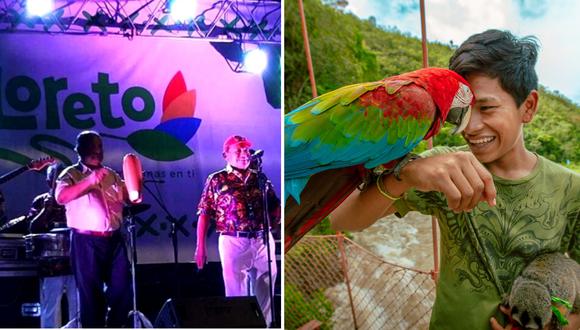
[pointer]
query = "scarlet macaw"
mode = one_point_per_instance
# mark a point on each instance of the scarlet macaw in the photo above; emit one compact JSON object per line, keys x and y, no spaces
{"x":334,"y":140}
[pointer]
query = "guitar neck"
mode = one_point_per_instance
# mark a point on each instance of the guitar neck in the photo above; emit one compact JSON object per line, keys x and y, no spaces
{"x":12,"y":222}
{"x":12,"y":174}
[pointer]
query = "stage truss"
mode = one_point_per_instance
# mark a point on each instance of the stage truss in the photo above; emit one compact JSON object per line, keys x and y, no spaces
{"x":241,"y":21}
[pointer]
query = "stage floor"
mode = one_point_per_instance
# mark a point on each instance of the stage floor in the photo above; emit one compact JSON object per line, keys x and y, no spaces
{"x":155,"y":284}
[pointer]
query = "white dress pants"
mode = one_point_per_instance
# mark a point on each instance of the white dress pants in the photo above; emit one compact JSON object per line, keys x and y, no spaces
{"x":239,"y":256}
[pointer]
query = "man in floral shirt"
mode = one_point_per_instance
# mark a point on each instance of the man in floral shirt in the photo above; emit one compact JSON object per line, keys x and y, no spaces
{"x":233,"y":199}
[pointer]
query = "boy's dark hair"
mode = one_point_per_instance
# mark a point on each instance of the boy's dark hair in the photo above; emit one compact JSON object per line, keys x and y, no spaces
{"x":500,"y":54}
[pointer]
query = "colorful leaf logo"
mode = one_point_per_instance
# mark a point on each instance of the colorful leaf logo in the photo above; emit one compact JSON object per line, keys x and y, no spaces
{"x":178,"y":110}
{"x":168,"y":140}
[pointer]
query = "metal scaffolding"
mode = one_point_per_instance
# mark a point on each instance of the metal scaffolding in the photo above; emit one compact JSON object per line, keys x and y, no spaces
{"x":244,"y":21}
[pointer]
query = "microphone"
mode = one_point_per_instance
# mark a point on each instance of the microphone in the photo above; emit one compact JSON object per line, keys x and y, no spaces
{"x":254,"y":154}
{"x":133,"y":175}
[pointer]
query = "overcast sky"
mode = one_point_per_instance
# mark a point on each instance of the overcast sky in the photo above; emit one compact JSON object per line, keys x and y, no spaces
{"x":555,"y":23}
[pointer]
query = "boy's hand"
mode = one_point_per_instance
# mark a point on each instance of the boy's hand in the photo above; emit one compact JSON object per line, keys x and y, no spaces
{"x":507,"y":311}
{"x":495,"y":324}
{"x":459,"y":176}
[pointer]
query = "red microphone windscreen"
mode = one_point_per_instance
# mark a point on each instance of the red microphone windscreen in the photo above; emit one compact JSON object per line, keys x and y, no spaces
{"x":133,"y":175}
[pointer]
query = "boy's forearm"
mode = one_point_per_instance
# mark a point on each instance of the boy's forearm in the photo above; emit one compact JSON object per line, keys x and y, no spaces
{"x":363,"y":208}
{"x":459,"y":176}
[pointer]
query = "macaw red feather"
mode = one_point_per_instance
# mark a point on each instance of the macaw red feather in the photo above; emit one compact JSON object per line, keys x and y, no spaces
{"x":334,"y":186}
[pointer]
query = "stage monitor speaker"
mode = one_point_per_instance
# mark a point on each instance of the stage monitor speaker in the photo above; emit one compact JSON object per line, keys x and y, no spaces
{"x":211,"y":312}
{"x":19,"y":302}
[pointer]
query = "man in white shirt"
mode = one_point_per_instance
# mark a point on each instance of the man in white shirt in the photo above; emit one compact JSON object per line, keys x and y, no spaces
{"x":94,"y":197}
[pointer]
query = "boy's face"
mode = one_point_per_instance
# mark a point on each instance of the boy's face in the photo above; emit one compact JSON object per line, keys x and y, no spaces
{"x":495,"y":128}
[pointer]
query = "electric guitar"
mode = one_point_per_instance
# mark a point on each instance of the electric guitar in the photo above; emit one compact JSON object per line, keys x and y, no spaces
{"x":12,"y":223}
{"x":35,"y":165}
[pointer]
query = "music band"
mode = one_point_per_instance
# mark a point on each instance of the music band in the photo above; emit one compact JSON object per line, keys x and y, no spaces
{"x":84,"y":212}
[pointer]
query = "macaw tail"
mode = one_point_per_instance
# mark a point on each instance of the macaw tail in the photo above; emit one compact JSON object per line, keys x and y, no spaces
{"x":324,"y":192}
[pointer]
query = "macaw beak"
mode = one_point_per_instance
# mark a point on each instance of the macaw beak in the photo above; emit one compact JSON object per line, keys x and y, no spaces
{"x":459,"y":117}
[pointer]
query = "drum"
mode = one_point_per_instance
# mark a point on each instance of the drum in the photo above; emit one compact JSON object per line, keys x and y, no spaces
{"x":48,"y":245}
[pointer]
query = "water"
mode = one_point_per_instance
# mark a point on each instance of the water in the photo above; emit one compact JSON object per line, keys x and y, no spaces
{"x":407,"y":242}
{"x":393,"y":301}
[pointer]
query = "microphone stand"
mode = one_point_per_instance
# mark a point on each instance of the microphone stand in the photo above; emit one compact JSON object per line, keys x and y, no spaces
{"x":173,"y":235}
{"x":135,"y":314}
{"x":264,"y":187}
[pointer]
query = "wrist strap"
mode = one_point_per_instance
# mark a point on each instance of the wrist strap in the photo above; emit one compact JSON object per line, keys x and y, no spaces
{"x":382,"y":190}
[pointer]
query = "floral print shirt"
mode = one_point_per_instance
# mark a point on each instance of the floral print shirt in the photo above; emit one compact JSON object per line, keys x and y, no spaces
{"x":235,"y":202}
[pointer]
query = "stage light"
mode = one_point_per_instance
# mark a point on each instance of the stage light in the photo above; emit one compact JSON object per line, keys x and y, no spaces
{"x":255,"y":61}
{"x":183,"y":10}
{"x":39,"y":7}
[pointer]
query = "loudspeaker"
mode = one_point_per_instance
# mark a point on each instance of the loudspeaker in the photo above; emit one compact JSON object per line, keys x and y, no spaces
{"x":20,"y":294}
{"x":211,"y":312}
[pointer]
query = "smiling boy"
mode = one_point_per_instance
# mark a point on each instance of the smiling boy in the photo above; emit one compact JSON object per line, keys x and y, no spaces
{"x":498,"y":204}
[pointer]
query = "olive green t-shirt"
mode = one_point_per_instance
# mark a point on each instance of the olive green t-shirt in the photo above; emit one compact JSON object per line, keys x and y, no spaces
{"x":484,"y":250}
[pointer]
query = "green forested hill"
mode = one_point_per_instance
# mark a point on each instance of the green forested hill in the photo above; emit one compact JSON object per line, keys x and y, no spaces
{"x":346,"y":50}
